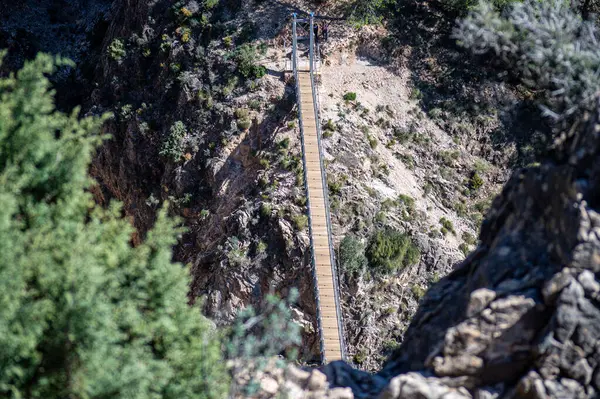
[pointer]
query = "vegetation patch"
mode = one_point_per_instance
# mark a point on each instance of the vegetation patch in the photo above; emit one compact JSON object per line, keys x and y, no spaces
{"x":447,"y":226}
{"x":390,"y":251}
{"x":173,"y":146}
{"x":116,"y":50}
{"x":352,"y":256}
{"x":350,"y":96}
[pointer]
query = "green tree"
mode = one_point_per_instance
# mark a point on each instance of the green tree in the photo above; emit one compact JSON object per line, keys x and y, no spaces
{"x":83,"y":314}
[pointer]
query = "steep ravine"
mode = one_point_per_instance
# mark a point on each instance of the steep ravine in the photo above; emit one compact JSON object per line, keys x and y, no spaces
{"x":222,"y":147}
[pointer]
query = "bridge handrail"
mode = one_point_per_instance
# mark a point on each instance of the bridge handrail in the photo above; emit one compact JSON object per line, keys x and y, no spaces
{"x":326,"y":191}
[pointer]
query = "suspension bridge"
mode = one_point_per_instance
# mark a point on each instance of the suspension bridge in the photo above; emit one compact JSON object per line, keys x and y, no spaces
{"x":305,"y":64}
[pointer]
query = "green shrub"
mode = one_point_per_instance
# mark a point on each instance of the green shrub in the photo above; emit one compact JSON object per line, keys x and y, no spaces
{"x":285,"y":143}
{"x":461,"y":209}
{"x":173,"y":146}
{"x":83,"y":312}
{"x":389,"y":251}
{"x":352,"y":256}
{"x":300,"y":221}
{"x":464,"y":248}
{"x":381,"y":217}
{"x":476,"y":181}
{"x":448,"y":157}
{"x":408,"y":203}
{"x":372,"y":141}
{"x":264,"y":162}
{"x":367,"y":12}
{"x":266,"y":210}
{"x":246,"y":59}
{"x":116,"y":50}
{"x":468,"y":238}
{"x":447,"y":226}
{"x":415,"y":94}
{"x":350,"y":96}
{"x":335,"y":187}
{"x":544,"y":43}
{"x":359,"y":357}
{"x":417,"y":291}
{"x":244,"y":124}
{"x":261,"y":247}
{"x":242,"y":113}
{"x":329,"y":126}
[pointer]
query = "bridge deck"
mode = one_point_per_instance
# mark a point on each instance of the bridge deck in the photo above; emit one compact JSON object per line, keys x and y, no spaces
{"x":319,"y":226}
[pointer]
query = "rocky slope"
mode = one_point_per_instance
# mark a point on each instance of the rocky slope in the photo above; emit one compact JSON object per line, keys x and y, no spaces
{"x":196,"y":124}
{"x":520,"y":317}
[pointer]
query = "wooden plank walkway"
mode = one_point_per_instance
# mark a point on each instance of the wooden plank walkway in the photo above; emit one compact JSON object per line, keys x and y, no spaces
{"x":319,"y":228}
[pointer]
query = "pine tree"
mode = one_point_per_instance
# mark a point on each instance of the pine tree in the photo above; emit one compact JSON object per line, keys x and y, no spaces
{"x":83,"y":314}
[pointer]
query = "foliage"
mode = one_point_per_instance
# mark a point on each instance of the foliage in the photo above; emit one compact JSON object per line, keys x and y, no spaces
{"x":546,"y":44}
{"x":116,"y":50}
{"x":266,"y":210}
{"x":389,"y":251}
{"x":83,"y":314}
{"x":352,"y":256}
{"x":464,"y":248}
{"x":243,"y":118}
{"x":261,"y":247}
{"x":350,"y":96}
{"x":284,"y":144}
{"x":247,"y":62}
{"x":329,"y":126}
{"x":447,"y":226}
{"x":368,"y":12}
{"x":300,"y":221}
{"x":173,"y":145}
{"x":416,"y":94}
{"x":244,"y":124}
{"x":468,"y":238}
{"x":417,"y":291}
{"x":476,"y":181}
{"x":372,"y":141}
{"x":258,"y":336}
{"x":408,"y":205}
{"x":236,"y":252}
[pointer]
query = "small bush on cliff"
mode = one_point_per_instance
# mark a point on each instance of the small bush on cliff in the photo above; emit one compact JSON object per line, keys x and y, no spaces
{"x":544,"y":43}
{"x":83,"y":314}
{"x":352,"y":256}
{"x":173,"y":145}
{"x":116,"y":50}
{"x":247,"y":62}
{"x":350,"y":96}
{"x":389,"y":251}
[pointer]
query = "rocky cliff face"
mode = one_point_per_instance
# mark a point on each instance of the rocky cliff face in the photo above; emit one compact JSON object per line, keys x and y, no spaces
{"x":520,"y":317}
{"x":194,"y":128}
{"x":494,"y":325}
